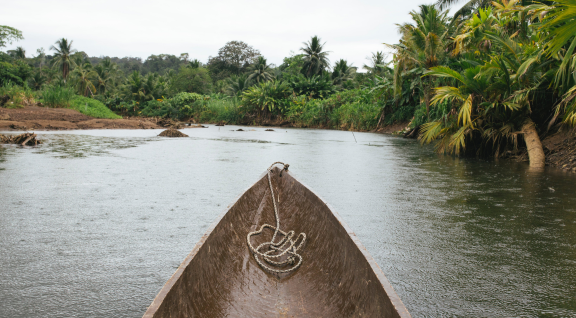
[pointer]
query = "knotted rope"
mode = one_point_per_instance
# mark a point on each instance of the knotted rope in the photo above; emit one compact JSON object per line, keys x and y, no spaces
{"x":271,"y":252}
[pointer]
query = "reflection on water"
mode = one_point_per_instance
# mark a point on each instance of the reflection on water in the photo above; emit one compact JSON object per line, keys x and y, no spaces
{"x":93,"y":223}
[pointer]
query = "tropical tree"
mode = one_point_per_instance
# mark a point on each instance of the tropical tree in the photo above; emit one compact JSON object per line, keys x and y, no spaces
{"x":342,"y":73}
{"x":63,"y":56}
{"x":194,"y":64}
{"x":493,"y":99}
{"x":19,"y":53}
{"x":267,"y":97}
{"x":315,"y":58}
{"x":376,"y":65}
{"x":83,"y":74}
{"x":237,"y":85}
{"x":8,"y":35}
{"x":38,"y":79}
{"x":317,"y":86}
{"x":232,"y":59}
{"x":260,"y":71}
{"x":192,"y":80}
{"x":422,"y":46}
{"x":559,"y":25}
{"x":469,"y":8}
{"x":135,"y":89}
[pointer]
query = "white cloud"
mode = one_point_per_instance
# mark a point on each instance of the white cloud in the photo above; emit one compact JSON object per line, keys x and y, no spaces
{"x":351,"y":30}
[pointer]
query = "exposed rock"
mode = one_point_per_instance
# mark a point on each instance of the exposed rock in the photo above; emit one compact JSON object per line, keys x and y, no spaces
{"x":171,"y":132}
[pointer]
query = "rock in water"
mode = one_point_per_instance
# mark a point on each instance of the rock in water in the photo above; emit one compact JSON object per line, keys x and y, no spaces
{"x":171,"y":132}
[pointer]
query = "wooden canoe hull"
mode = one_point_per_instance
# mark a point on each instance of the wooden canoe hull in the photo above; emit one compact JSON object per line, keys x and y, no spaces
{"x":220,"y":278}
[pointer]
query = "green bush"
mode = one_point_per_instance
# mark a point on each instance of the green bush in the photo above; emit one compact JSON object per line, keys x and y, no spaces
{"x":180,"y":106}
{"x":57,"y":96}
{"x":92,"y":107}
{"x":18,"y":96}
{"x":217,"y":110}
{"x":16,"y":72}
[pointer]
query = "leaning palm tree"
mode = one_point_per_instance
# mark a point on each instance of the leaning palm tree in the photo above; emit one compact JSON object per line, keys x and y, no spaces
{"x":315,"y":58}
{"x":342,"y":73}
{"x":63,"y":56}
{"x":260,"y":71}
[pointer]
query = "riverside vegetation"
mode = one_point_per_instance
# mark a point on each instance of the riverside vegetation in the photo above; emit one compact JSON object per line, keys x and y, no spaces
{"x":490,"y":80}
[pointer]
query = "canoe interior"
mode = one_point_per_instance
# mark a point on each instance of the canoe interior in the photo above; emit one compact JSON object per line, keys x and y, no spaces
{"x":220,"y":278}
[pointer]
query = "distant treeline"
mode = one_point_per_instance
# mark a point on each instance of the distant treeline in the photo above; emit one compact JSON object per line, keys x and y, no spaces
{"x":489,"y":80}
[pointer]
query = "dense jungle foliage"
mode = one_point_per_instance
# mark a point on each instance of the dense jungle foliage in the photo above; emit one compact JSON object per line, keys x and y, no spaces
{"x":474,"y":82}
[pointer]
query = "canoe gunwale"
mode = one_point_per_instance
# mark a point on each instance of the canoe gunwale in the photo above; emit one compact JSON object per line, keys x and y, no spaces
{"x":390,"y":292}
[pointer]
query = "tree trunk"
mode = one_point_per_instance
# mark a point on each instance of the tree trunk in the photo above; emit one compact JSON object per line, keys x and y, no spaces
{"x":535,"y":150}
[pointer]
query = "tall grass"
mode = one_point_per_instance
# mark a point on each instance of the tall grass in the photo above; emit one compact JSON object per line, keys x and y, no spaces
{"x":57,"y":96}
{"x":217,"y":110}
{"x":18,"y":96}
{"x":92,"y":107}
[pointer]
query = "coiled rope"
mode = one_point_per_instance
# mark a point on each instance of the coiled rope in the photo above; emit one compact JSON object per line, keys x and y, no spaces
{"x":268,"y":254}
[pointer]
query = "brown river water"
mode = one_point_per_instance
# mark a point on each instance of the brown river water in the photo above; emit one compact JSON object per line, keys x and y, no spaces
{"x":93,"y":223}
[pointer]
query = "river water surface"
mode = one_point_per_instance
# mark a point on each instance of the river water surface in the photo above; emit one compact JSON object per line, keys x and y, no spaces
{"x":93,"y":223}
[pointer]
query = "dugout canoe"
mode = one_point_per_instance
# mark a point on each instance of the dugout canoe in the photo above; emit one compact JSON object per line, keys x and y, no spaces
{"x":221,"y":278}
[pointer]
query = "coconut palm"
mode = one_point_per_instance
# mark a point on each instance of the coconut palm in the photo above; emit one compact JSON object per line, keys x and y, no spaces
{"x":38,"y":79}
{"x":83,"y":74}
{"x":135,"y":89}
{"x":376,"y":64}
{"x":342,"y":73}
{"x":471,"y":7}
{"x":63,"y":56}
{"x":259,"y":71}
{"x":315,"y":58}
{"x":422,"y":46}
{"x":237,"y":85}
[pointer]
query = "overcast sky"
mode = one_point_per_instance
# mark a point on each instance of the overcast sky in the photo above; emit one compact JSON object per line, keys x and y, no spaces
{"x":351,"y":29}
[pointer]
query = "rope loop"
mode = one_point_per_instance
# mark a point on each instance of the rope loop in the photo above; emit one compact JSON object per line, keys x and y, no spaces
{"x":268,"y":254}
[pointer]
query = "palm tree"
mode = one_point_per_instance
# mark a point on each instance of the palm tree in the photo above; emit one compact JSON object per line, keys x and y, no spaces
{"x":559,"y":25}
{"x":194,"y":63}
{"x":38,"y":79}
{"x":135,"y":89}
{"x":376,"y":64}
{"x":83,"y":74}
{"x":63,"y":56}
{"x":471,"y":7}
{"x":260,"y":71}
{"x":315,"y":59}
{"x":342,"y":73}
{"x":106,"y":75}
{"x":19,"y":53}
{"x":237,"y":85}
{"x":422,"y":46}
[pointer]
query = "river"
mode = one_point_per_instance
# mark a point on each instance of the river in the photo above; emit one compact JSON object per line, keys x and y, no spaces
{"x":93,"y":223}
